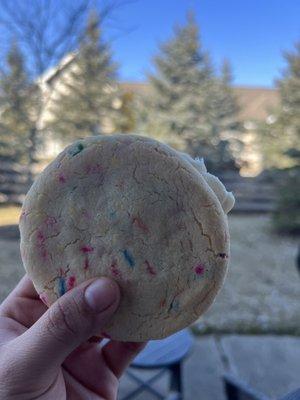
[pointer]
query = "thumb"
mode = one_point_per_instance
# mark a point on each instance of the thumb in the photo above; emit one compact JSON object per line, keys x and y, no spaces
{"x":72,"y":319}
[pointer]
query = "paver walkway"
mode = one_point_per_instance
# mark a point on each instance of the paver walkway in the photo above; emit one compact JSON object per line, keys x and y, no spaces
{"x":270,"y":364}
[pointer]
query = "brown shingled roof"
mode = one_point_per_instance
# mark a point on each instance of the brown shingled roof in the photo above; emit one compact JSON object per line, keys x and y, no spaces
{"x":255,"y":102}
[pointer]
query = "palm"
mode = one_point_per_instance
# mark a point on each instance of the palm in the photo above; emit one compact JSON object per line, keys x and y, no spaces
{"x":91,"y":371}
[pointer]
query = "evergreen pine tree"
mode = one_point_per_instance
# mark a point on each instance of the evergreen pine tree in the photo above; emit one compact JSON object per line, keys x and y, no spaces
{"x":282,"y":139}
{"x":279,"y":136}
{"x":225,"y":127}
{"x":224,"y":107}
{"x":188,"y":106}
{"x":16,"y":109}
{"x":177,"y":105}
{"x":289,"y":87}
{"x":88,"y":89}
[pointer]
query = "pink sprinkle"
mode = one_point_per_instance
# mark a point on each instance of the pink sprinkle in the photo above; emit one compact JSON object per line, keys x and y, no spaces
{"x":71,"y":282}
{"x":40,"y":238}
{"x":61,"y":178}
{"x":199,"y":269}
{"x":43,"y":297}
{"x":86,"y":263}
{"x":106,"y":335}
{"x":50,"y":221}
{"x":139,"y":223}
{"x":115,"y":271}
{"x":150,"y":269}
{"x":87,"y":249}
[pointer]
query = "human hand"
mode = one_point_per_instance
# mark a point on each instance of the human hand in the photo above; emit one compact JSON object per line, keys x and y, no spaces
{"x":51,"y":353}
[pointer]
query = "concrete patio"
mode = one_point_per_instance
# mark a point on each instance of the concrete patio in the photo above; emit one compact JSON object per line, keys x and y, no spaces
{"x":270,"y":364}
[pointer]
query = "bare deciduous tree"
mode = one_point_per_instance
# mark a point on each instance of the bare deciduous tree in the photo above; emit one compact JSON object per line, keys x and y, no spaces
{"x":46,"y":30}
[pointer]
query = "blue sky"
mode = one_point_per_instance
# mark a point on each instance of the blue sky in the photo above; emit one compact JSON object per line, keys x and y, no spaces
{"x":251,"y":34}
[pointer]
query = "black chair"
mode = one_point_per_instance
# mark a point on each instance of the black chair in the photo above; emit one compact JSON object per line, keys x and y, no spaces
{"x":165,"y":355}
{"x":236,"y":389}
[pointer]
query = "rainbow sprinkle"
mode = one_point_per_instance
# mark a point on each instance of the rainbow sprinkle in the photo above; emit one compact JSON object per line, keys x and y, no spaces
{"x":62,"y":178}
{"x":62,"y":286}
{"x":175,"y":305}
{"x":140,"y":224}
{"x":199,"y":269}
{"x":71,"y":282}
{"x":76,"y":149}
{"x":128,"y":257}
{"x":150,"y":268}
{"x":87,"y":249}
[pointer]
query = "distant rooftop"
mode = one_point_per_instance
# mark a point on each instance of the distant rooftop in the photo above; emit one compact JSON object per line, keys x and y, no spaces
{"x":256,"y":103}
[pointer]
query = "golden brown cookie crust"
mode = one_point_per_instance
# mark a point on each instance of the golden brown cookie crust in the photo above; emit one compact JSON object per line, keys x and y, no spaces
{"x":133,"y":209}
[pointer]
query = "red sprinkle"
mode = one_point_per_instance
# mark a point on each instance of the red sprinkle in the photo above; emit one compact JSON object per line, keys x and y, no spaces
{"x":139,"y":223}
{"x":86,"y":263}
{"x":115,"y":271}
{"x":150,"y":269}
{"x":199,"y":269}
{"x":61,"y":178}
{"x":71,"y":282}
{"x":87,"y":249}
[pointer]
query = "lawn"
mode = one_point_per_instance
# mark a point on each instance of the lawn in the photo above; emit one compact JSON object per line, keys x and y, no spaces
{"x":9,"y":215}
{"x":261,"y":292}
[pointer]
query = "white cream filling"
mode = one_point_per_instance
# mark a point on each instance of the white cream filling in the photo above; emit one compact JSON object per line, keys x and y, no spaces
{"x":226,"y":198}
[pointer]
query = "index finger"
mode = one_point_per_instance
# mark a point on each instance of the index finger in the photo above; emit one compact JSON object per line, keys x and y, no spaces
{"x":24,"y":289}
{"x":118,"y":355}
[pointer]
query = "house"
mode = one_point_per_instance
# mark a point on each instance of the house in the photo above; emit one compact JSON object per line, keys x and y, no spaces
{"x":256,"y":105}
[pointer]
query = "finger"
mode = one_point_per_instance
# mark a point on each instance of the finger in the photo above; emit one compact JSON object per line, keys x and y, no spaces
{"x":70,"y":321}
{"x":118,"y":355}
{"x":76,"y":389}
{"x":24,"y":288}
{"x":87,"y":365}
{"x":23,"y":304}
{"x":23,"y":310}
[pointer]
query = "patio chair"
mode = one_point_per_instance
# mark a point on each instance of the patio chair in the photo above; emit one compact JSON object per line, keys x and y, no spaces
{"x":165,"y":355}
